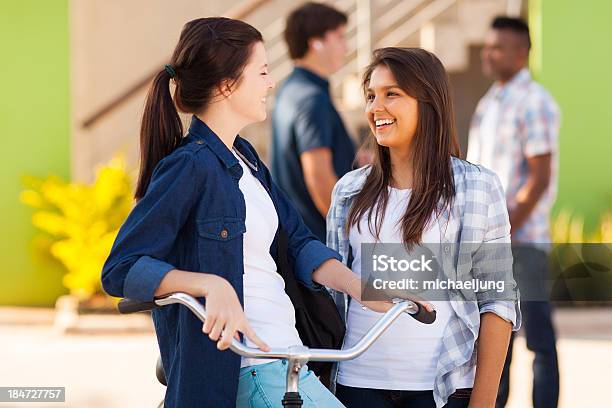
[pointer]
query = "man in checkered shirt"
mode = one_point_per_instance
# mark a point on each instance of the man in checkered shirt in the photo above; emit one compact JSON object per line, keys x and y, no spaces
{"x":514,"y":132}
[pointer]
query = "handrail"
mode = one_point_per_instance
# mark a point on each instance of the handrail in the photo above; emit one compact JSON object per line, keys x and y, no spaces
{"x":428,"y":13}
{"x":385,"y":32}
{"x":240,"y":11}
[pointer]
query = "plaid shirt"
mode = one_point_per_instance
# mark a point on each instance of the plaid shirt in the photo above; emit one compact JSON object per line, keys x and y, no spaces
{"x":527,"y":125}
{"x":478,"y":215}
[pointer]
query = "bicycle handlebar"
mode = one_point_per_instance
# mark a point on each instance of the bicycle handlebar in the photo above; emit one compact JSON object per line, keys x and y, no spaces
{"x":127,"y":306}
{"x":300,"y":352}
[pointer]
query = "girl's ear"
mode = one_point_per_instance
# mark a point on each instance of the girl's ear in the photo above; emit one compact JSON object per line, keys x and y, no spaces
{"x":225,"y":89}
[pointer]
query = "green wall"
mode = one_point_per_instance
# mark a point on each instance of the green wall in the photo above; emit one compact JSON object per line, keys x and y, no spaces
{"x":35,"y":135}
{"x":572,"y":58}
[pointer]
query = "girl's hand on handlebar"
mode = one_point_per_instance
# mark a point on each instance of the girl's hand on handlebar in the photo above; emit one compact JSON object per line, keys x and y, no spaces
{"x":225,"y":316}
{"x":417,"y":299}
{"x":353,"y":289}
{"x":381,"y":306}
{"x":413,"y":297}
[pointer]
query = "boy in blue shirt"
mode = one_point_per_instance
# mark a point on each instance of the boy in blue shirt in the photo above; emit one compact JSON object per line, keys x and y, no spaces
{"x":311,"y":148}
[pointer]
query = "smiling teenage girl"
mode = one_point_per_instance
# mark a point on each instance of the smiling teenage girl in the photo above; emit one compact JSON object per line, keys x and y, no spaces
{"x":206,"y":223}
{"x":418,"y":191}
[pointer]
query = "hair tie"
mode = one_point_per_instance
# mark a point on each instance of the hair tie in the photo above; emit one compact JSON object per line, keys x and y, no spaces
{"x":213,"y":34}
{"x":170,"y":70}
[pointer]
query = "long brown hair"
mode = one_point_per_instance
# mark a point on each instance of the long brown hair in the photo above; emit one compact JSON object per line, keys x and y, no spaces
{"x":209,"y":51}
{"x":422,"y":76}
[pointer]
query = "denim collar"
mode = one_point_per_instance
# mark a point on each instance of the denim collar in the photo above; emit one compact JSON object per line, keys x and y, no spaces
{"x":201,"y":133}
{"x":310,"y":76}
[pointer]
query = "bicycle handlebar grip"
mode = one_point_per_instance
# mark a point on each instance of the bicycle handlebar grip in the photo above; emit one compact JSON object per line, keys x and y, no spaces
{"x":132,"y":306}
{"x":423,"y":315}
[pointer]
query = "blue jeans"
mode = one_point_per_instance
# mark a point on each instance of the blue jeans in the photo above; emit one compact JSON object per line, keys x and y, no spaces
{"x":369,"y":397}
{"x":263,"y":386}
{"x":531,"y":269}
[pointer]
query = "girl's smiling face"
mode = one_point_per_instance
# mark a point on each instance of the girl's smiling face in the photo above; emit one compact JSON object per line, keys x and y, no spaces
{"x":392,"y":114}
{"x":248,"y":100}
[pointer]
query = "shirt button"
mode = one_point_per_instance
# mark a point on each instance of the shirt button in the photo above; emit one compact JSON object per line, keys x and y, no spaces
{"x":446,"y":249}
{"x":199,"y":142}
{"x":224,"y":234}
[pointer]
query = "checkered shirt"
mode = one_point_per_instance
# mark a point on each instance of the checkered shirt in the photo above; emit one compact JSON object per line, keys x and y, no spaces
{"x":527,"y":126}
{"x":478,"y":215}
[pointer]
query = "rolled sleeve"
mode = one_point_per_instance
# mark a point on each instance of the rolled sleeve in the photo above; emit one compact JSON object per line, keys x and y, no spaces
{"x":309,"y":258}
{"x":540,"y":124}
{"x":507,"y":310}
{"x":144,"y":277}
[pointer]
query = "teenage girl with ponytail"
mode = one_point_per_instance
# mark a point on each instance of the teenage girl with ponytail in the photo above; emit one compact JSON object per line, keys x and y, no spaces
{"x":206,"y":222}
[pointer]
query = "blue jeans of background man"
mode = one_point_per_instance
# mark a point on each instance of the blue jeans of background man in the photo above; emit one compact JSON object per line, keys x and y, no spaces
{"x":530,"y":272}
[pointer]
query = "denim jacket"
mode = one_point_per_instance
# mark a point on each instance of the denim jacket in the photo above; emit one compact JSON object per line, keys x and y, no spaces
{"x":478,"y":215}
{"x":192,"y":218}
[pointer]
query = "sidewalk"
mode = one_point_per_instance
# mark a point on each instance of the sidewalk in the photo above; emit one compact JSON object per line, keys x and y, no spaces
{"x":585,"y":355}
{"x":98,"y":371}
{"x":116,"y":370}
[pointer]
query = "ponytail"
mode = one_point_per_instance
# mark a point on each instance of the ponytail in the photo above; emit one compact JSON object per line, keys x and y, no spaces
{"x":209,"y":51}
{"x":161,"y":130}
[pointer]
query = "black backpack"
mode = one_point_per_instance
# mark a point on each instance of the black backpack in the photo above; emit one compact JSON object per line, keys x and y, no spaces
{"x":318,"y":321}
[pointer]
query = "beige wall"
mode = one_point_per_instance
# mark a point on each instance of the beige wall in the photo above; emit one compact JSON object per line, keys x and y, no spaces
{"x":115,"y":43}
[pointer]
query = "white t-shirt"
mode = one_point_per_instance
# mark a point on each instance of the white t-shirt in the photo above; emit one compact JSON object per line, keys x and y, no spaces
{"x":405,"y":357}
{"x":266,"y":305}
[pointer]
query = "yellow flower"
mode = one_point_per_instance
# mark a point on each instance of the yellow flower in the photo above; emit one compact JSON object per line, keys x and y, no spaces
{"x":81,"y":221}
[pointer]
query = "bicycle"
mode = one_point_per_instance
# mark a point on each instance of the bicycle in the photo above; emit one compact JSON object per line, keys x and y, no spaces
{"x":296,"y":356}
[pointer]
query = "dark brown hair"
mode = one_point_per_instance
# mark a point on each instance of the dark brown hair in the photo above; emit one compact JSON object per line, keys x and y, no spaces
{"x":422,"y":76}
{"x":514,"y":24}
{"x":311,"y":20}
{"x":209,"y":51}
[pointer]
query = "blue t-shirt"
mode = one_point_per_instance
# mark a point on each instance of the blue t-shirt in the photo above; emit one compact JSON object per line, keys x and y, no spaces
{"x":304,"y":118}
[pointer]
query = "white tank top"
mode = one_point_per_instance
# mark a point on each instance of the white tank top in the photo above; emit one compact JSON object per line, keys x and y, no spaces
{"x":266,"y":305}
{"x":405,"y":357}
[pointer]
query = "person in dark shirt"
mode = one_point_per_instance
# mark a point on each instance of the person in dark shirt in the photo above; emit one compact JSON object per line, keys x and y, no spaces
{"x":311,"y":148}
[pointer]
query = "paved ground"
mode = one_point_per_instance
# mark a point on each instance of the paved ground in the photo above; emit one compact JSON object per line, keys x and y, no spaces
{"x":115,"y":368}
